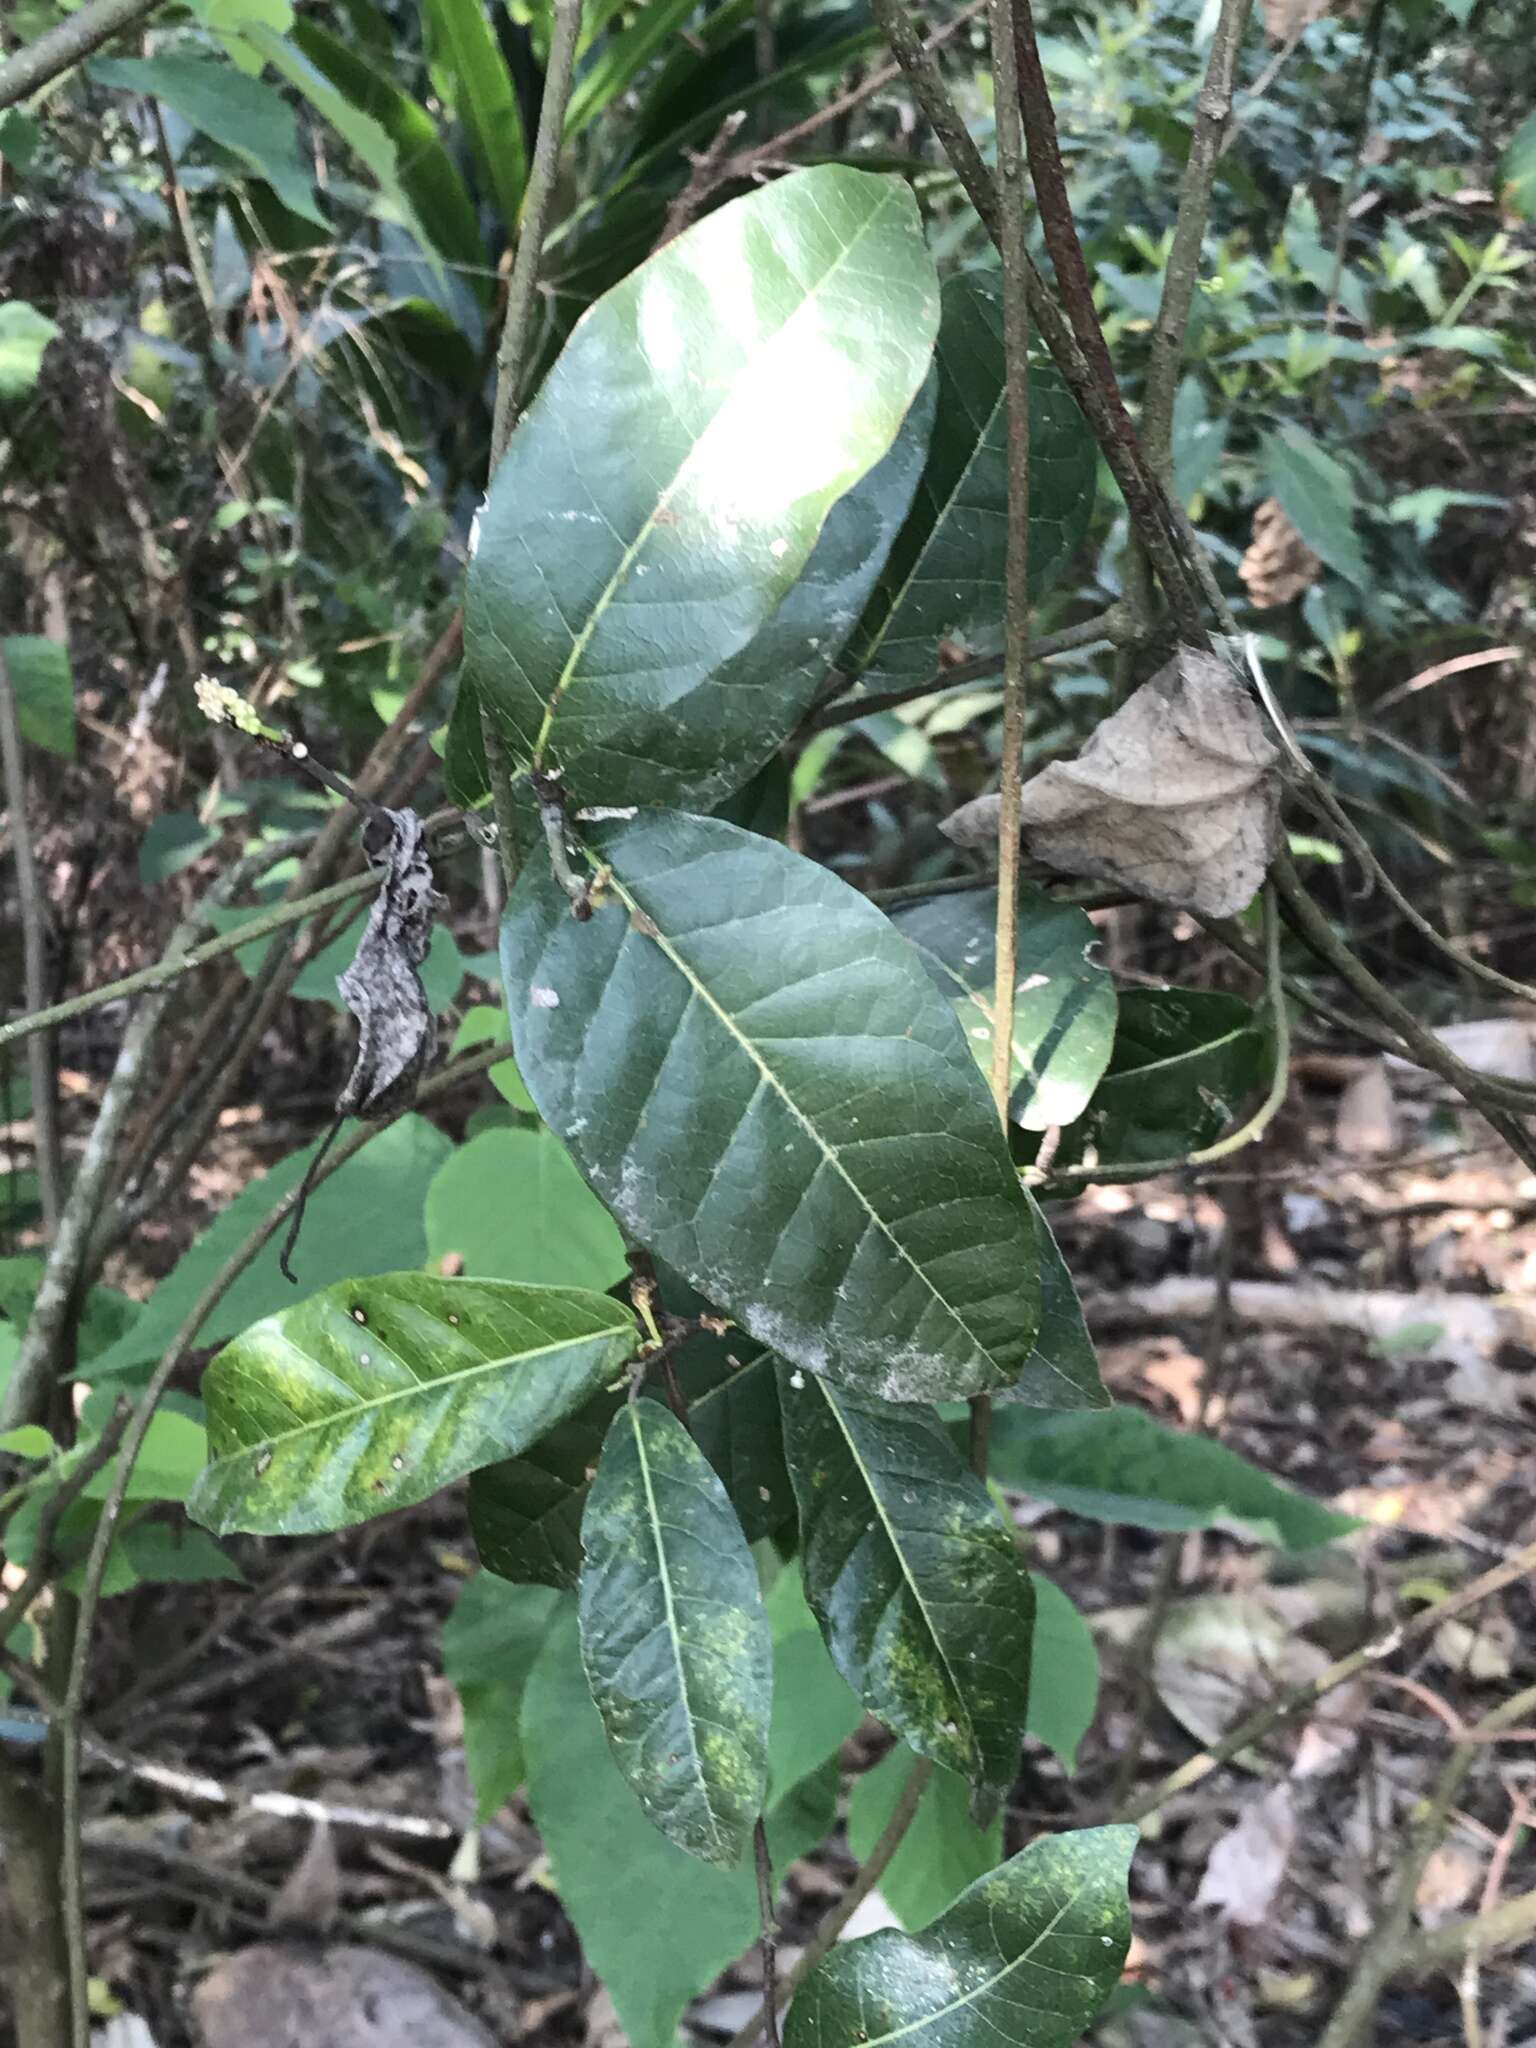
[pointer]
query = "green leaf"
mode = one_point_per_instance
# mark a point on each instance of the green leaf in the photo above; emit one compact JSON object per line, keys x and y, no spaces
{"x":914,"y":1578}
{"x":243,"y":115}
{"x":1185,"y":1062}
{"x":526,"y":1512}
{"x":465,"y":776}
{"x":1025,"y":1958}
{"x":1063,"y":1673}
{"x":486,"y":1024}
{"x":173,"y":1454}
{"x":1317,"y":495}
{"x":40,"y":674}
{"x":942,"y":1851}
{"x":484,"y":98}
{"x":365,"y":1219}
{"x":1064,"y":999}
{"x":814,"y":1708}
{"x":490,"y":1641}
{"x":1123,"y":1465}
{"x":622,"y":57}
{"x":24,"y":337}
{"x":944,"y":578}
{"x":1063,"y":1362}
{"x":754,"y":1072}
{"x":377,"y":1393}
{"x":515,"y":1208}
{"x":172,"y":1553}
{"x":27,"y":1441}
{"x":1517,"y":173}
{"x":656,"y":1925}
{"x":669,"y":482}
{"x":174,"y":841}
{"x":673,"y":1635}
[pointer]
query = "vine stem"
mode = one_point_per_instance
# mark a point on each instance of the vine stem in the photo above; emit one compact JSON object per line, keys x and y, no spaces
{"x":833,"y":1922}
{"x":72,"y":1710}
{"x":50,"y":55}
{"x":34,"y":913}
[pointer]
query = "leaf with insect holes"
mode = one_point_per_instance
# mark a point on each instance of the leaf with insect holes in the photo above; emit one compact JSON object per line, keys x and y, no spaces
{"x":377,"y":1393}
{"x":756,"y":1074}
{"x":669,"y":483}
{"x":1023,"y":1959}
{"x":673,"y":1635}
{"x":916,"y":1580}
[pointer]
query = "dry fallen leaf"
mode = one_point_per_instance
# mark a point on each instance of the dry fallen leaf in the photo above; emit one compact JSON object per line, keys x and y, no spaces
{"x":1222,"y":1654}
{"x":1246,"y":1866}
{"x":1483,"y":1652}
{"x":277,"y":1996}
{"x":1447,"y":1884}
{"x":311,"y":1892}
{"x":1366,"y":1119}
{"x":1175,"y":795}
{"x":1279,"y":565}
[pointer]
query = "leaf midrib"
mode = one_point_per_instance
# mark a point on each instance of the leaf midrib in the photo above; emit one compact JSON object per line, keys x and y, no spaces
{"x":663,"y":502}
{"x":418,"y":1388}
{"x":968,"y":1998}
{"x":887,"y":1525}
{"x":828,"y":1151}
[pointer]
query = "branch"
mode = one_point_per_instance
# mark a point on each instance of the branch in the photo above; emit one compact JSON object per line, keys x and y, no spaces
{"x":1166,"y":350}
{"x":1110,"y":624}
{"x":34,"y":914}
{"x":67,"y":45}
{"x":1382,"y":1954}
{"x":1512,"y":1921}
{"x":182,"y":1343}
{"x":522,"y":288}
{"x":1303,"y":1698}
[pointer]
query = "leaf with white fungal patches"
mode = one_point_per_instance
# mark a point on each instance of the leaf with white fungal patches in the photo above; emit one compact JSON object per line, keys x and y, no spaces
{"x":1023,"y":1959}
{"x":674,"y":1636}
{"x":914,"y":1576}
{"x":378,"y":1392}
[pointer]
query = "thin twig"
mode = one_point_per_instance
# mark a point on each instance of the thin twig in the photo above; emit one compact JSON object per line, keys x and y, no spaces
{"x":53,"y":1511}
{"x":836,"y":1919}
{"x":1165,"y":350}
{"x":50,"y":55}
{"x":1382,"y":1953}
{"x":768,"y":1945}
{"x":522,"y":287}
{"x":1303,"y":1698}
{"x":70,"y":1730}
{"x":34,"y":916}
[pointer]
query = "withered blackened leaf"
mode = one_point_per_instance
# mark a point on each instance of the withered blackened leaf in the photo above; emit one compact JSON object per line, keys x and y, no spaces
{"x":382,"y":988}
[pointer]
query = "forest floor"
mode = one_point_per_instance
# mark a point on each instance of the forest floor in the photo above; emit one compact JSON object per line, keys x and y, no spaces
{"x":319,"y":1680}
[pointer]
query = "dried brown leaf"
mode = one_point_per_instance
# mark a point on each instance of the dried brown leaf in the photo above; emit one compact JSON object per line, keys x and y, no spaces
{"x":1247,"y":1864}
{"x":1278,"y":566}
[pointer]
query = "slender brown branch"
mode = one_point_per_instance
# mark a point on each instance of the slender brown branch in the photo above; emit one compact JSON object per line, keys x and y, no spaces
{"x":836,"y":1919}
{"x":1499,"y":1927}
{"x":1303,"y":1698}
{"x":522,"y":288}
{"x":34,"y":916}
{"x":1165,"y":353}
{"x":1382,"y":1954}
{"x":52,"y":1512}
{"x":49,"y":56}
{"x":768,"y":1944}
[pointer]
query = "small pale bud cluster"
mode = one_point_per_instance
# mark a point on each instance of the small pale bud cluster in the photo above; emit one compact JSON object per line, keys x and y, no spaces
{"x":221,"y":705}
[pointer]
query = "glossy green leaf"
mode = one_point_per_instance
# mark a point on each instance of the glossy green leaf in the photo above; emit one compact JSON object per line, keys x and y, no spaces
{"x":942,"y":1851}
{"x":241,"y":114}
{"x":173,"y":1554}
{"x":1024,"y":1959}
{"x":365,"y":1219}
{"x":41,"y":679}
{"x":484,"y":99}
{"x":490,"y":1641}
{"x":1062,"y":1371}
{"x":1064,"y":999}
{"x":513,"y":1206}
{"x":814,"y":1708}
{"x":1317,"y":495}
{"x":656,"y":1924}
{"x":755,"y":1073}
{"x":669,"y":482}
{"x":673,"y":1635}
{"x":1123,"y":1465}
{"x":1063,"y":1673}
{"x":1185,"y":1066}
{"x":944,"y":578}
{"x":622,"y":57}
{"x":24,"y":337}
{"x":916,"y":1581}
{"x":1517,"y":173}
{"x":486,"y":1024}
{"x":377,"y":1393}
{"x":465,"y":775}
{"x":526,"y":1512}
